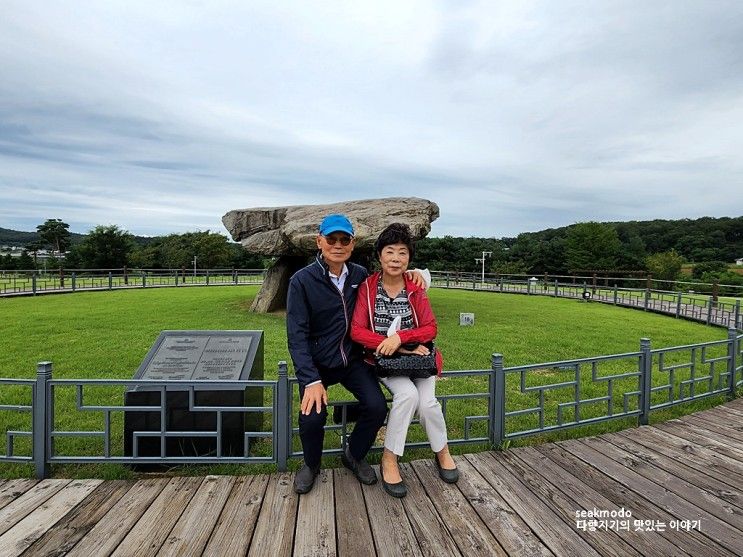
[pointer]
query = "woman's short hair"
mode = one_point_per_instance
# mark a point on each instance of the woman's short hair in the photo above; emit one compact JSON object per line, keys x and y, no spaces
{"x":395,"y":233}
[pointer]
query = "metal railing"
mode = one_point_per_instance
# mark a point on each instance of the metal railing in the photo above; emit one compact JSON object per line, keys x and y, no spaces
{"x":32,"y":283}
{"x":724,"y":312}
{"x":518,"y":401}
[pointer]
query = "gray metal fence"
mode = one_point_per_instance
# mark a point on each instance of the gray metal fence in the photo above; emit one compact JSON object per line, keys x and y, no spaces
{"x":517,"y":401}
{"x":32,"y":283}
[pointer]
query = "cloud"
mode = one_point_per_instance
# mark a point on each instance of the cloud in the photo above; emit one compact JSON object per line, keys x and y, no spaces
{"x":511,"y":116}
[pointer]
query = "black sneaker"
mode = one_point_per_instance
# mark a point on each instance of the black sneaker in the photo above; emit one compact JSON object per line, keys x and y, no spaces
{"x":360,"y":468}
{"x":305,"y":479}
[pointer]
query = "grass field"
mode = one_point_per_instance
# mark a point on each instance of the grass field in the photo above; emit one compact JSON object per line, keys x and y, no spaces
{"x":107,"y":334}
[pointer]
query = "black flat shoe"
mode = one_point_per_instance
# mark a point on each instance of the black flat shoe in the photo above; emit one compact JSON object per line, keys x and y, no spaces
{"x":396,"y":490}
{"x":305,"y":479}
{"x":449,"y":476}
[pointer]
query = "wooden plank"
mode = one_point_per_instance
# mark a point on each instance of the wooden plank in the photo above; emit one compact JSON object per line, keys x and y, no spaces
{"x":353,"y":530}
{"x":587,"y":498}
{"x":63,"y":536}
{"x":678,"y":449}
{"x":391,"y":529}
{"x":274,"y":532}
{"x":16,"y":510}
{"x":33,"y":526}
{"x":724,"y":448}
{"x":12,"y":489}
{"x":315,"y":529}
{"x":231,"y":535}
{"x":432,"y":534}
{"x":558,"y":537}
{"x":711,"y":422}
{"x":103,"y":538}
{"x":725,"y":416}
{"x":193,"y":529}
{"x":693,"y":494}
{"x":154,"y":526}
{"x":676,"y":468}
{"x":693,"y":543}
{"x":504,"y":523}
{"x":720,"y":532}
{"x":468,"y":531}
{"x":604,"y":541}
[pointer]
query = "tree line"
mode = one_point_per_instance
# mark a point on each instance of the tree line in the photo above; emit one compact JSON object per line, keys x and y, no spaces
{"x":659,"y":247}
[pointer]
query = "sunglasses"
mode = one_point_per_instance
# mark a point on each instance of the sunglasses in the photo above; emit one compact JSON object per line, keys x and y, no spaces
{"x":344,"y":240}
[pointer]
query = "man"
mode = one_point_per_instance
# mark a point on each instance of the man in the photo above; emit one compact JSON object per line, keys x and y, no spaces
{"x":320,"y":304}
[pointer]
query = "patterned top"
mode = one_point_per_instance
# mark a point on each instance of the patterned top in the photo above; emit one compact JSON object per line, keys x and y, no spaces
{"x":386,"y":309}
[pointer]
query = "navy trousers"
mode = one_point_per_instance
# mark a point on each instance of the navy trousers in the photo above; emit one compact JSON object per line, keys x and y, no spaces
{"x":359,"y":378}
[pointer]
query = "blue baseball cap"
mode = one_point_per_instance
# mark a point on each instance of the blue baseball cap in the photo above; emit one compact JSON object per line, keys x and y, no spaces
{"x":336,"y":223}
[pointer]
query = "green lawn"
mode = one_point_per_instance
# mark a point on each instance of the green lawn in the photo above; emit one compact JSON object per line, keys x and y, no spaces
{"x":107,"y":334}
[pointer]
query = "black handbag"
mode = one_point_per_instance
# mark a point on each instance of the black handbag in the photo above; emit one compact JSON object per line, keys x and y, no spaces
{"x":407,"y":365}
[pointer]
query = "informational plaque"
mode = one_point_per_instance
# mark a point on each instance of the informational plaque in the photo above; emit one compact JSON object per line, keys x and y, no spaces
{"x":188,"y":357}
{"x":217,"y":358}
{"x":202,"y":355}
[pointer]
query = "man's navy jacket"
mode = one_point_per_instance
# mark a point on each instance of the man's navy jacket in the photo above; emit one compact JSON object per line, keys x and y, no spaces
{"x":318,"y":320}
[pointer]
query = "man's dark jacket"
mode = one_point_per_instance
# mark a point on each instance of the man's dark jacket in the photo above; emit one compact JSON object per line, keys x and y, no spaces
{"x":318,"y":320}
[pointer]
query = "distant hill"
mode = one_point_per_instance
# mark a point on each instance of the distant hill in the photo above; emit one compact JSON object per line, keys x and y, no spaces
{"x":10,"y":237}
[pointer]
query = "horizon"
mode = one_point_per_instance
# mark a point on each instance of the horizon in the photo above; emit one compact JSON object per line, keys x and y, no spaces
{"x":225,"y":233}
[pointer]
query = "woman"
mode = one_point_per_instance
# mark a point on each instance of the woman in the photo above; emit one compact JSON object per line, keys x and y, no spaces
{"x":383,"y":298}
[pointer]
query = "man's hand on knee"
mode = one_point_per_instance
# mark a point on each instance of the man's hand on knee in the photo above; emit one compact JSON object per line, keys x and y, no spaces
{"x":314,"y":395}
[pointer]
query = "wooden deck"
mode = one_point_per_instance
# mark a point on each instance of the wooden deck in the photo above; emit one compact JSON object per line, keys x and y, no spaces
{"x":519,"y":502}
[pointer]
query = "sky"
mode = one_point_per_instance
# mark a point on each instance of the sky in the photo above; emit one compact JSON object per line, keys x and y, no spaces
{"x":512,"y":116}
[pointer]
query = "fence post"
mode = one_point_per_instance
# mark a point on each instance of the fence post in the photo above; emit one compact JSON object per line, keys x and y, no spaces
{"x":61,"y":277}
{"x":497,"y":410}
{"x":74,"y":281}
{"x":737,"y":322}
{"x":528,"y":286}
{"x":709,"y":310}
{"x":110,"y":280}
{"x":176,"y":278}
{"x":207,"y":277}
{"x":501,"y":284}
{"x":616,"y":293}
{"x":732,"y":360}
{"x":555,"y":288}
{"x":43,"y":375}
{"x":647,"y":298}
{"x":234,"y":275}
{"x":144,"y":280}
{"x":646,"y":368}
{"x":447,"y":279}
{"x":282,"y":419}
{"x":33,"y":282}
{"x":678,"y":305}
{"x":126,"y":276}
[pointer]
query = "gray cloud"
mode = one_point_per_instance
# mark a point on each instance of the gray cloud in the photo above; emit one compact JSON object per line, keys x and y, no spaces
{"x":511,"y":116}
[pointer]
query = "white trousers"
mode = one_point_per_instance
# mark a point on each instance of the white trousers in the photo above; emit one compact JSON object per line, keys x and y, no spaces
{"x":408,"y":397}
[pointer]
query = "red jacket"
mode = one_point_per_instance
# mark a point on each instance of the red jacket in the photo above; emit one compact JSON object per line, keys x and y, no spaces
{"x":424,"y":322}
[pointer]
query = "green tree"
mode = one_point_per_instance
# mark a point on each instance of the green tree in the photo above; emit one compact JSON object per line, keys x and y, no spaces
{"x":709,"y":267}
{"x":8,"y":263}
{"x":105,"y":247}
{"x":34,"y":248}
{"x":592,"y":245}
{"x":665,"y":265}
{"x":55,"y":234}
{"x":25,"y":262}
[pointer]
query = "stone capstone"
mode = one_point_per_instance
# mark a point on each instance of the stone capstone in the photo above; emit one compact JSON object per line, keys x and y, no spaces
{"x":292,"y":230}
{"x":290,"y":233}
